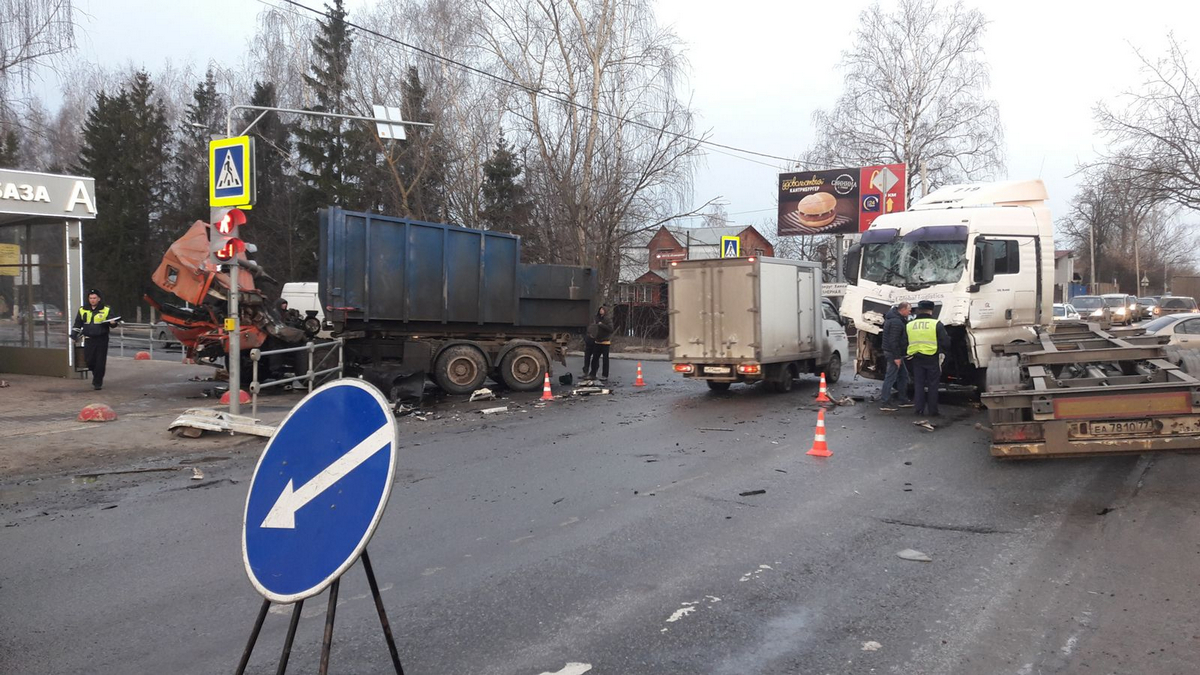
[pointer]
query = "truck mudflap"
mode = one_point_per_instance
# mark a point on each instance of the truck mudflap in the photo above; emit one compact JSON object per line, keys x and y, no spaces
{"x":1081,"y":391}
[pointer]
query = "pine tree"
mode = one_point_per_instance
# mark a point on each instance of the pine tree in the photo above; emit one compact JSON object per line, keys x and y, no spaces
{"x":278,"y":226}
{"x":505,"y":205}
{"x":422,"y":162}
{"x":10,"y":151}
{"x":126,"y":149}
{"x":203,"y":118}
{"x":322,"y":142}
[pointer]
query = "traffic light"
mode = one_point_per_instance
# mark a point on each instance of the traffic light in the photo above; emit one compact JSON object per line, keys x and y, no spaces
{"x":224,"y":244}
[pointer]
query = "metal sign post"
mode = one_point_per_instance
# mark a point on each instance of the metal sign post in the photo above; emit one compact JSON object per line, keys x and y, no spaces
{"x":314,"y":502}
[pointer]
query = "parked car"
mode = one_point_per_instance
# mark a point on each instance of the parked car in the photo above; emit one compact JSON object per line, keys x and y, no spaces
{"x":1184,"y":329}
{"x":1176,"y":304}
{"x":1093,"y":308}
{"x":163,"y":337}
{"x":42,"y":312}
{"x":1148,"y":307}
{"x":1065,"y":312}
{"x":1123,"y":307}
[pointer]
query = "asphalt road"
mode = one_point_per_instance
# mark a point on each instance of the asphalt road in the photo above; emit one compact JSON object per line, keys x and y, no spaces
{"x":612,"y":532}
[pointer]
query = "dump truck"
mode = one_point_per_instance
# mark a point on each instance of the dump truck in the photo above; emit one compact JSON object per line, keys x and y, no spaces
{"x":414,"y":298}
{"x":411,"y":300}
{"x":752,"y":320}
{"x":1080,"y":390}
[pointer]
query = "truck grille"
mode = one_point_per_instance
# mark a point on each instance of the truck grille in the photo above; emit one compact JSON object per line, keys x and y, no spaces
{"x":883,"y":308}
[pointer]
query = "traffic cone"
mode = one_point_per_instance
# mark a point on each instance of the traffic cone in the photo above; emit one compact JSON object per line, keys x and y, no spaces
{"x":823,"y":394}
{"x":547,"y":395}
{"x":819,"y":449}
{"x":639,"y":382}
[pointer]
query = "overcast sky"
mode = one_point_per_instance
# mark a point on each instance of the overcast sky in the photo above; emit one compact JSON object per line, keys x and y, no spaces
{"x":759,"y":69}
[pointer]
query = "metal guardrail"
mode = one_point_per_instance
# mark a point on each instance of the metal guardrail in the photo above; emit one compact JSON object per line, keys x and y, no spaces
{"x":311,"y":376}
{"x":129,"y":332}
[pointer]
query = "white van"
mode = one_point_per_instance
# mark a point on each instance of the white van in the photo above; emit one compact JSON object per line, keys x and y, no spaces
{"x":302,"y":297}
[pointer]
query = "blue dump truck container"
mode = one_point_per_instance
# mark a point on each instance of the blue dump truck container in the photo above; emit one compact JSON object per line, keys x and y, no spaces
{"x":415,"y":298}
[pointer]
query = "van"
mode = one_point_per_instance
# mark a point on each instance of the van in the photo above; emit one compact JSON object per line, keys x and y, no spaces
{"x":302,"y":297}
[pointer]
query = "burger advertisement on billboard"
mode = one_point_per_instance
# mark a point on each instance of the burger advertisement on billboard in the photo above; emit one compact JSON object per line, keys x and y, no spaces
{"x":839,"y":201}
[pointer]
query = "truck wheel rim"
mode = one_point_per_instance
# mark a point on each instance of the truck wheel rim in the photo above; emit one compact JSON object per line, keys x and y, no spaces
{"x":462,"y":370}
{"x":526,"y":369}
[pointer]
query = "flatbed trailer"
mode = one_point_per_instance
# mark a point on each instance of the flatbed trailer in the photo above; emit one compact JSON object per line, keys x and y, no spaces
{"x":1081,"y":390}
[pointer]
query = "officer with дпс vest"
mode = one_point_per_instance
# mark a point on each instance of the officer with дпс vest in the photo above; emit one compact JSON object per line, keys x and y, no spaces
{"x":93,"y":322}
{"x":928,"y":342}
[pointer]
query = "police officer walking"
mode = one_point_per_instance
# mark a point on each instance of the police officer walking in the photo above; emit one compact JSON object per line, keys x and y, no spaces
{"x":93,"y":322}
{"x":927,"y":342}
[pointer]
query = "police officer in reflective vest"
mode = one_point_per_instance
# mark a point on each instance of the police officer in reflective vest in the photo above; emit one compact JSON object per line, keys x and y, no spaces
{"x":93,"y":322}
{"x":927,"y":342}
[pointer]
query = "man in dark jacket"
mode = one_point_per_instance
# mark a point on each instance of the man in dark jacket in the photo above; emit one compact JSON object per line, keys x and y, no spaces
{"x":93,"y":322}
{"x":928,"y":342}
{"x":895,"y":349}
{"x":601,"y":332}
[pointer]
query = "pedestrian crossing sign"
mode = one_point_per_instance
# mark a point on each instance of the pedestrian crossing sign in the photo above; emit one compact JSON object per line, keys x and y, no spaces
{"x":731,"y":247}
{"x":231,"y":172}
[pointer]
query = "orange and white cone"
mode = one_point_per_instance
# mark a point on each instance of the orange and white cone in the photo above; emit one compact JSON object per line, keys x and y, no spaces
{"x":823,"y":394}
{"x":639,"y":382}
{"x":547,"y":395}
{"x":819,"y":449}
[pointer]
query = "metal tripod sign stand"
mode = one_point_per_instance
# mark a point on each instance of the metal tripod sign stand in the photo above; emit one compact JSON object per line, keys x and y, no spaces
{"x":317,"y":495}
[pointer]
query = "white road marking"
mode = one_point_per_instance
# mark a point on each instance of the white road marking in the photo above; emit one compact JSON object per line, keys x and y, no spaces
{"x":283,"y":514}
{"x":572,"y":669}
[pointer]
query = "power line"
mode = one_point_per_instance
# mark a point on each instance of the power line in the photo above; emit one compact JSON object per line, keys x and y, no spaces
{"x":552,"y":97}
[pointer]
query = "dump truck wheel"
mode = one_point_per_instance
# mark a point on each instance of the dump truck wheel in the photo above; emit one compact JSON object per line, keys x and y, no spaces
{"x":833,"y":369}
{"x":460,"y":369}
{"x":524,"y":369}
{"x":718,"y":386}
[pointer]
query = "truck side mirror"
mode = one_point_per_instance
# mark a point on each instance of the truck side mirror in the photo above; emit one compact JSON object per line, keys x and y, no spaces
{"x":850,"y":265}
{"x":985,"y":263}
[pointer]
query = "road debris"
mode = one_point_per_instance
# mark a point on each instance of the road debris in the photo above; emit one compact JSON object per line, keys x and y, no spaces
{"x":484,"y":394}
{"x":197,"y":474}
{"x":493,"y":411}
{"x":913,"y":555}
{"x":924,"y":424}
{"x":208,"y":419}
{"x":871,"y":646}
{"x":845,"y":400}
{"x":751,"y":493}
{"x":713,"y":429}
{"x":591,"y":391}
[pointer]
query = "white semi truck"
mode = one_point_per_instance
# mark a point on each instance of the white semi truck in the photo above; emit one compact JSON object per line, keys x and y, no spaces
{"x":753,"y":320}
{"x":983,"y":253}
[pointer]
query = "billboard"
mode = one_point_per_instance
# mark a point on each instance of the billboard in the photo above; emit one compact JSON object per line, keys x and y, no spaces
{"x":839,"y":201}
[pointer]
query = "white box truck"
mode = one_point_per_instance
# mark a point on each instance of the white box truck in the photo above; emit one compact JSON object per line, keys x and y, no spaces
{"x":753,"y":319}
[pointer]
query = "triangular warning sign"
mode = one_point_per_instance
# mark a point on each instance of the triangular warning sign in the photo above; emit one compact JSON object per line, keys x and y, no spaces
{"x":229,"y":177}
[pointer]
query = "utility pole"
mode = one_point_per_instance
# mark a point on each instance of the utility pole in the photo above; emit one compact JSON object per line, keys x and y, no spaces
{"x":1092,"y":266}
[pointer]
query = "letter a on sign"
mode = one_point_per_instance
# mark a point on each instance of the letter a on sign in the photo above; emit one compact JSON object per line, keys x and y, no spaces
{"x":731,"y":247}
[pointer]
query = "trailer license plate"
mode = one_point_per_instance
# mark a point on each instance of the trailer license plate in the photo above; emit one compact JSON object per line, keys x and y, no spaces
{"x":1122,"y":427}
{"x":717,"y":370}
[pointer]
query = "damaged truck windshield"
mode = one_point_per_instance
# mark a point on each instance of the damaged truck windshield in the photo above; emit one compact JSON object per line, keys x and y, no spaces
{"x":921,"y":258}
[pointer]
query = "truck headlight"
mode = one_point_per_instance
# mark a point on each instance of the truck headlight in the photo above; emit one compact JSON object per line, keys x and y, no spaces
{"x":1098,"y":312}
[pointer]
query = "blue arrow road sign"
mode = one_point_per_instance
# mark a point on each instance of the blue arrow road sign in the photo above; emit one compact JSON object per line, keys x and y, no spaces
{"x":319,"y":490}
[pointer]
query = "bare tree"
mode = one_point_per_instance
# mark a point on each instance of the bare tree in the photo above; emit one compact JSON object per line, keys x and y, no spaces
{"x":1154,"y":130}
{"x":915,"y":93}
{"x":605,"y":134}
{"x":1135,"y":232}
{"x":32,"y":33}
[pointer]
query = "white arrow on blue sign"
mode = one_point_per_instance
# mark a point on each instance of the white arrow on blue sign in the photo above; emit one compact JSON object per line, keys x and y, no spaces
{"x":319,"y":490}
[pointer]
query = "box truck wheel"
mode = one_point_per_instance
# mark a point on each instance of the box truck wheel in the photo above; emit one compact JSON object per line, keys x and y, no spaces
{"x":460,"y":369}
{"x":718,"y":386}
{"x":780,"y":378}
{"x":524,"y":369}
{"x":833,"y":369}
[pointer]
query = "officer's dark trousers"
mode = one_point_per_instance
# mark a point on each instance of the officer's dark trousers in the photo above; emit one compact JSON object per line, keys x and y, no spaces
{"x":926,"y":375}
{"x":95,"y":355}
